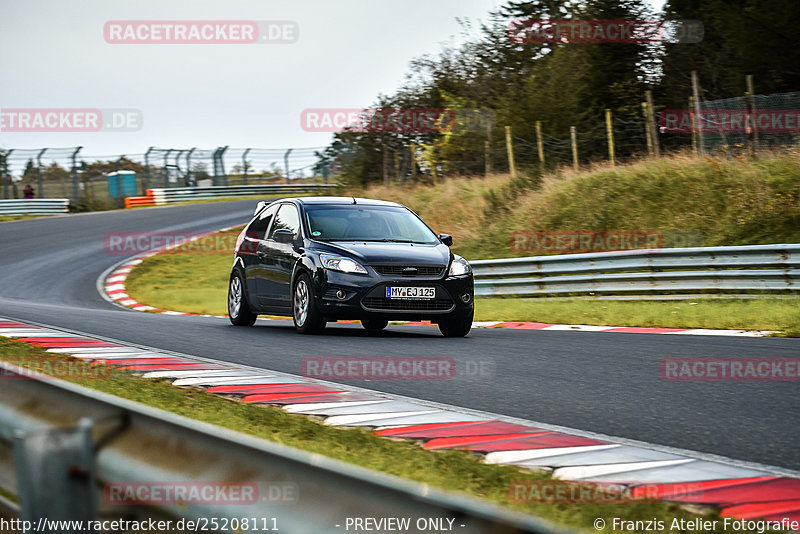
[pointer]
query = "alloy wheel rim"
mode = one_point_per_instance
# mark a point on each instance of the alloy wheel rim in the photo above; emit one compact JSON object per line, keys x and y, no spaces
{"x":235,"y":297}
{"x":301,"y":303}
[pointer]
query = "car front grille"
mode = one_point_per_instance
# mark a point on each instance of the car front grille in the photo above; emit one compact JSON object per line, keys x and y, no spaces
{"x":408,"y":270}
{"x":383,"y":303}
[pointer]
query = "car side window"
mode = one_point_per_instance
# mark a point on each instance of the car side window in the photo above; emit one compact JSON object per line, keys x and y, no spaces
{"x":286,"y":219}
{"x":259,"y":227}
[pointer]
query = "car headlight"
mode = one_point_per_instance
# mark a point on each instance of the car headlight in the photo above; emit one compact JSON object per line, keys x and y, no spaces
{"x":343,"y":265}
{"x":459,"y":266}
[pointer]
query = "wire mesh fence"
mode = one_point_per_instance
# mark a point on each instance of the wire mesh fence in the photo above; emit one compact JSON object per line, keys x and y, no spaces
{"x":749,"y":123}
{"x":732,"y":127}
{"x":102,"y":181}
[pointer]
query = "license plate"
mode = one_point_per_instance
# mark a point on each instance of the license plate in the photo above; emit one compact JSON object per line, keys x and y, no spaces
{"x":410,"y":292}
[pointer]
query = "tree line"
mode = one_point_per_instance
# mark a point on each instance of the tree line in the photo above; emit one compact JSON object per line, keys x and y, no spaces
{"x":518,"y":82}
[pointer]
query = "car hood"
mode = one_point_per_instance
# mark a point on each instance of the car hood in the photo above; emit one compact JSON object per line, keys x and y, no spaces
{"x":372,"y":253}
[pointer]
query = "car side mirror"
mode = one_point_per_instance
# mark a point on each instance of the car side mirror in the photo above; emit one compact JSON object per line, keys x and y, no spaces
{"x":447,"y":239}
{"x":283,"y":235}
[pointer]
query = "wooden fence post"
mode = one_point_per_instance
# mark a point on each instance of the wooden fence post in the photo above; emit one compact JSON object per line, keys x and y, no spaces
{"x":573,"y":135}
{"x":512,"y":168}
{"x":610,"y":135}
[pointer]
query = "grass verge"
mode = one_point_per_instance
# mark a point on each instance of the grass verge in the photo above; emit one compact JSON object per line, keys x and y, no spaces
{"x":451,"y":470}
{"x":7,"y":218}
{"x":779,"y":315}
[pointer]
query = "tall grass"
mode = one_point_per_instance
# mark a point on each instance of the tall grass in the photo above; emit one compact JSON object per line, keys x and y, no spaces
{"x":726,"y":202}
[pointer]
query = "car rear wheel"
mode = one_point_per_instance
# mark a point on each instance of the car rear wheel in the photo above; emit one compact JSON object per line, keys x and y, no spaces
{"x":374,"y":325}
{"x":458,"y":326}
{"x":238,"y":307}
{"x":307,"y":318}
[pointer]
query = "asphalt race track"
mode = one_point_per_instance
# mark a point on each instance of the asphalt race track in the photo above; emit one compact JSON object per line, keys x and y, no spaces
{"x":598,"y":382}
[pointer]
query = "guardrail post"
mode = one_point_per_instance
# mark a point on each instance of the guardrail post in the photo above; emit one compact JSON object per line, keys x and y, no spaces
{"x":39,"y":178}
{"x":76,"y":193}
{"x":56,"y":476}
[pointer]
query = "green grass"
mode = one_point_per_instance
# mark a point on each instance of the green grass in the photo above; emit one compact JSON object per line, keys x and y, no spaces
{"x":451,"y":470}
{"x":775,"y":314}
{"x":191,"y":278}
{"x":6,"y":218}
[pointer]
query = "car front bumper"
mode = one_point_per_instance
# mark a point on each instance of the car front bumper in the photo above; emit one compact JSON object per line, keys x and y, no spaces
{"x":351,"y":296}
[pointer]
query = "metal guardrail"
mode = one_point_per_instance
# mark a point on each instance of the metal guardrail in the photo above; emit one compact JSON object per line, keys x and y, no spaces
{"x":69,"y":441}
{"x":183,"y":194}
{"x":34,"y":206}
{"x":740,"y":269}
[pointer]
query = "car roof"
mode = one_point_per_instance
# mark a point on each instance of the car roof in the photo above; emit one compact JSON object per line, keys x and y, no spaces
{"x":339,"y":201}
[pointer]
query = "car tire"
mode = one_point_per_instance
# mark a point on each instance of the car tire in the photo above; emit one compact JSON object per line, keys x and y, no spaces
{"x":458,"y":326}
{"x":305,"y":314}
{"x":238,"y":308}
{"x":374,"y":325}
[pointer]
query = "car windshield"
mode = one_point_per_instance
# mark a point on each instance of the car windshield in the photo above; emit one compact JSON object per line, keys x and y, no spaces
{"x":367,"y":223}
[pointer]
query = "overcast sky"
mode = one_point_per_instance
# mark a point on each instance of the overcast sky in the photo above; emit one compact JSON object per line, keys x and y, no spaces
{"x":208,"y":95}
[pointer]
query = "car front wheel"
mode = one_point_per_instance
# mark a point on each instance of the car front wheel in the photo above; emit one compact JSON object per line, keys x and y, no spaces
{"x":374,"y":325}
{"x":238,"y":307}
{"x":458,"y":326}
{"x":307,"y":318}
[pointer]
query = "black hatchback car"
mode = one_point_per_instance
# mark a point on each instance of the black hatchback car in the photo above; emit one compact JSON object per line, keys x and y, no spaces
{"x":322,"y":259}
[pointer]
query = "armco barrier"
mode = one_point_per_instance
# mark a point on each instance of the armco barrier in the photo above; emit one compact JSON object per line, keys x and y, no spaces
{"x":64,"y":442}
{"x":148,"y":200}
{"x":741,"y":269}
{"x":34,"y":206}
{"x":184,"y":194}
